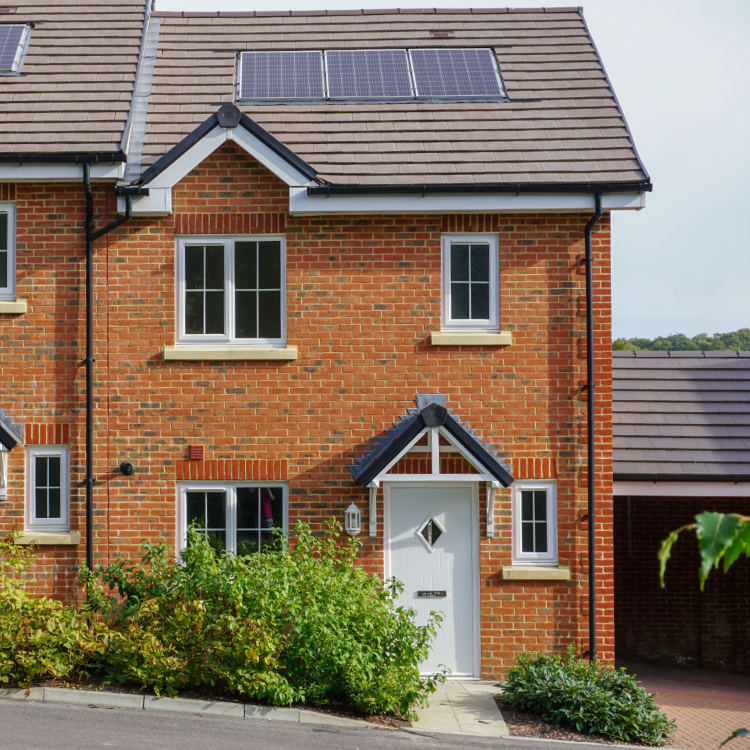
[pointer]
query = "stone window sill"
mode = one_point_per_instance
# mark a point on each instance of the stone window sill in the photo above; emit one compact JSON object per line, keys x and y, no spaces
{"x":49,"y":537}
{"x":222,"y":352}
{"x":535,"y":573}
{"x":13,"y":308}
{"x":467,"y":338}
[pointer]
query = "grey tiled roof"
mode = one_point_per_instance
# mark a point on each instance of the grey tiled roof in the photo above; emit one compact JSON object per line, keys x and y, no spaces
{"x":562,"y":123}
{"x":681,"y":415}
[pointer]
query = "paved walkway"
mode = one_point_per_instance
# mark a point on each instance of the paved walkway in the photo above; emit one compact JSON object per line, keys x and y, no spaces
{"x":707,"y":705}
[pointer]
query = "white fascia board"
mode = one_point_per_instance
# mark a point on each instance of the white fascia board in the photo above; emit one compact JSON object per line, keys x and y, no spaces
{"x":58,"y":172}
{"x":681,"y":489}
{"x":300,"y":203}
{"x":157,"y":203}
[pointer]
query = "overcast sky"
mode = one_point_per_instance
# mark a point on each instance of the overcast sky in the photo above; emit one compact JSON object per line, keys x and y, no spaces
{"x":681,"y":70}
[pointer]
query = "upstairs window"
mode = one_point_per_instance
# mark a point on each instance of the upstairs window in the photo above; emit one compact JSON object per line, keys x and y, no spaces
{"x":231,"y":290}
{"x":7,"y":251}
{"x":47,"y":488}
{"x":470,"y":283}
{"x":13,"y":39}
{"x":534,"y":523}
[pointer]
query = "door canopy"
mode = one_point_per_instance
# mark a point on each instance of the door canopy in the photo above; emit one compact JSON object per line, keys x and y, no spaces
{"x":431,"y":418}
{"x":11,"y":433}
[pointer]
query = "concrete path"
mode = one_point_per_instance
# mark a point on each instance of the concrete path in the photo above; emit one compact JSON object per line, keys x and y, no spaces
{"x":707,"y":705}
{"x":463,"y":707}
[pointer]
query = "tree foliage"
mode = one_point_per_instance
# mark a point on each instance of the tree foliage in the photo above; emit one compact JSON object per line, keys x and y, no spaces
{"x":721,"y":537}
{"x":732,"y":341}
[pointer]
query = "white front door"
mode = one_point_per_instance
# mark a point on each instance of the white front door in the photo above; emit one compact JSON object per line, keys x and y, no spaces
{"x":431,"y":536}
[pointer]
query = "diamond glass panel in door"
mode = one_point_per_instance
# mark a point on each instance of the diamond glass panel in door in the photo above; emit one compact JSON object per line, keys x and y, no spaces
{"x":3,"y":251}
{"x":260,"y":516}
{"x":204,"y":289}
{"x":47,"y":487}
{"x":534,"y":521}
{"x":470,"y":281}
{"x":258,"y":289}
{"x":430,"y":532}
{"x":207,"y":510}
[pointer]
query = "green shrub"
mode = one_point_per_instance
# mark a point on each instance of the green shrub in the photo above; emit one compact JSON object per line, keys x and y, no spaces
{"x":40,"y":638}
{"x":302,"y":624}
{"x":587,"y":697}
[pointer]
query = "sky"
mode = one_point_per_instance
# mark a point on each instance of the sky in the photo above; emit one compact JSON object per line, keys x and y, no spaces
{"x":681,"y":71}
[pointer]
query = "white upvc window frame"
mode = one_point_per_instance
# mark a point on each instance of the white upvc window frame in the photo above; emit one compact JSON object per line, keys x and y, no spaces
{"x":47,"y":524}
{"x":548,"y":558}
{"x":476,"y":325}
{"x":3,"y":472}
{"x":228,"y":337}
{"x":8,"y":292}
{"x":229,"y":488}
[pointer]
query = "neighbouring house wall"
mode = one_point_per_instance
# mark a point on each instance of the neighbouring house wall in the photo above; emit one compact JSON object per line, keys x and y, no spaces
{"x":679,"y":623}
{"x":363,"y":295}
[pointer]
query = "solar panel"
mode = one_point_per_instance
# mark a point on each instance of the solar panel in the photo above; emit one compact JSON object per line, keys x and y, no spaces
{"x":281,"y":75}
{"x":368,"y":73}
{"x":10,"y":39}
{"x":455,"y":72}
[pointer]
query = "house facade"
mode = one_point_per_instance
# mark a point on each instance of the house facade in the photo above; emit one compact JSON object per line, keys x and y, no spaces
{"x":333,"y":259}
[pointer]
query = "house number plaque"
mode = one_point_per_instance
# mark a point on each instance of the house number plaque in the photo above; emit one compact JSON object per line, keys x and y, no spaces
{"x":431,"y":594}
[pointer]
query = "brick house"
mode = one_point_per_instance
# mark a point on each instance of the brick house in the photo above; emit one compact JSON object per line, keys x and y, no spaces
{"x":681,"y":429}
{"x":264,"y":266}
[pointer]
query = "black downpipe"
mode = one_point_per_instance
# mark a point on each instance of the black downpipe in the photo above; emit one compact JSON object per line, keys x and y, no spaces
{"x":92,"y":235}
{"x":590,"y":422}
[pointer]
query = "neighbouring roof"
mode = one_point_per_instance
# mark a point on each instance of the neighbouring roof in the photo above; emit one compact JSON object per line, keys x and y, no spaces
{"x":75,"y":83}
{"x":560,"y":126}
{"x":681,"y":415}
{"x":430,"y":412}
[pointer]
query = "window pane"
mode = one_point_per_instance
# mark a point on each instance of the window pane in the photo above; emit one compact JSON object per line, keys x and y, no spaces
{"x":53,"y":468}
{"x":193,"y":312}
{"x":41,"y":471}
{"x":247,"y":508}
{"x":480,"y":262}
{"x":214,"y":267}
{"x":269,"y":261}
{"x":3,"y":250}
{"x":41,"y":502}
{"x":196,"y":508}
{"x":217,"y":540}
{"x":214,"y":312}
{"x":270,"y":507}
{"x":3,"y":269}
{"x":245,"y":265}
{"x":459,"y":301}
{"x":215,"y":510}
{"x":459,"y":262}
{"x":194,"y":267}
{"x":527,"y":505}
{"x":540,"y":532}
{"x":540,"y":505}
{"x":53,"y":502}
{"x":269,"y":317}
{"x":480,"y":301}
{"x":277,"y":504}
{"x":527,"y":537}
{"x":269,"y":540}
{"x":247,"y":542}
{"x":245,"y":315}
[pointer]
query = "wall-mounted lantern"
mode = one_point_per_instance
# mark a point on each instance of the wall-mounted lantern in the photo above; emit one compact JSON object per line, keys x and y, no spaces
{"x":352,"y":520}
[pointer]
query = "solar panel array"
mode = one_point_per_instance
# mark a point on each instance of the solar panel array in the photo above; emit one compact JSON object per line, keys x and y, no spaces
{"x":281,"y":75}
{"x":10,"y":39}
{"x":455,"y":72}
{"x":369,"y":74}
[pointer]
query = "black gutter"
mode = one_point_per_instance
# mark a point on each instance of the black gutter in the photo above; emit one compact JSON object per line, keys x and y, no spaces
{"x":515,"y":189}
{"x":591,"y":386}
{"x":683,"y":478}
{"x":109,"y":157}
{"x":91,"y":235}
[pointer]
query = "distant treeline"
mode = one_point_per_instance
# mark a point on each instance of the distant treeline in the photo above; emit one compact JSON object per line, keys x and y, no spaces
{"x":736,"y":341}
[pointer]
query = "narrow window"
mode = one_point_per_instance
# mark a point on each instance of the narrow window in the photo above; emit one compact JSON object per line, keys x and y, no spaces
{"x":534,"y":523}
{"x":470,"y":283}
{"x":7,"y":252}
{"x":47,"y":501}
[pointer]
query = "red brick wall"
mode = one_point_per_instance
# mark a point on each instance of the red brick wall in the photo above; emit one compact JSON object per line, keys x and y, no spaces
{"x":363,"y":295}
{"x":679,"y":623}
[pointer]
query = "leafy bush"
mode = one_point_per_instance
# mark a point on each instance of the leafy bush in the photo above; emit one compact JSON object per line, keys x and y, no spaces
{"x":588,"y":697}
{"x":40,"y":638}
{"x":304,"y":624}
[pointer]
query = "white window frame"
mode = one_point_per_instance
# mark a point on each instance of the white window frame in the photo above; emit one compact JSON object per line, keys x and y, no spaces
{"x":229,"y":291}
{"x":230,"y":489}
{"x":9,"y":292}
{"x":488,"y":325}
{"x":548,"y":558}
{"x":3,"y":472}
{"x":47,"y":524}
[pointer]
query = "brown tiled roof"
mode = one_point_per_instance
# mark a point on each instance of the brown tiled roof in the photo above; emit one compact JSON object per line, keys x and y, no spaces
{"x":562,"y":123}
{"x":76,"y":81}
{"x":681,"y":415}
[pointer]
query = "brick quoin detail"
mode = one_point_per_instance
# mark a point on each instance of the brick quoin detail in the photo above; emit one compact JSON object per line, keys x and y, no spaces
{"x":363,"y":296}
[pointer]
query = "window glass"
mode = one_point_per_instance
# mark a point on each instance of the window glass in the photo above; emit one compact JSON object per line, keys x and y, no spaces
{"x":47,"y":487}
{"x":3,"y":250}
{"x":535,"y":523}
{"x":204,"y":289}
{"x":207,"y":511}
